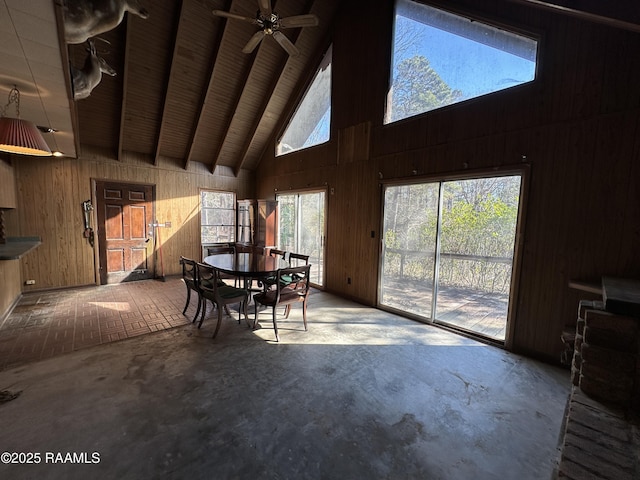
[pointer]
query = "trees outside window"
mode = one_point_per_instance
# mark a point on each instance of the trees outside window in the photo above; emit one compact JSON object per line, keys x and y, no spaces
{"x":448,"y":251}
{"x":440,"y":58}
{"x":217,"y":217}
{"x":301,"y":228}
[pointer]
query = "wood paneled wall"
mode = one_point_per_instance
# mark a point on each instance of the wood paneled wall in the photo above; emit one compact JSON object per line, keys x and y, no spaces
{"x":577,"y":126}
{"x":51,"y":191}
{"x":8,"y":197}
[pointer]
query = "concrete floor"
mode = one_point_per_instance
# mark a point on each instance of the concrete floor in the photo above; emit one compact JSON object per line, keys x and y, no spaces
{"x":363,"y":394}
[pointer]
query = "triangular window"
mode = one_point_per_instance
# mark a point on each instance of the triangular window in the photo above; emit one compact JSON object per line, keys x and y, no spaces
{"x":440,"y":58}
{"x":311,"y":122}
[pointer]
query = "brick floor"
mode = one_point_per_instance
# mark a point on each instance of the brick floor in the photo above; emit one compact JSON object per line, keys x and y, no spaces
{"x":599,"y":442}
{"x":46,"y":324}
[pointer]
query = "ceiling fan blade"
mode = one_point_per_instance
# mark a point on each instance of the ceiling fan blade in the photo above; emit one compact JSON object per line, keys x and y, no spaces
{"x":221,"y":13}
{"x":265,"y":7}
{"x":286,"y":43}
{"x":308,"y":20}
{"x":253,"y":42}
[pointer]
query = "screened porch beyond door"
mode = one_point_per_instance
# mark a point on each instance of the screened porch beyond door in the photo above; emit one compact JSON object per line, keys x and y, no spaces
{"x":448,"y":251}
{"x":466,"y":308}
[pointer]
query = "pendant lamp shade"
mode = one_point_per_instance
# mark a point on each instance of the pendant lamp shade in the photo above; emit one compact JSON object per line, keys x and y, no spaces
{"x":22,"y":137}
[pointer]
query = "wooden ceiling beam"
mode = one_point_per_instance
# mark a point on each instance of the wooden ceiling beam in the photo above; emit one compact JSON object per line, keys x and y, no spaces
{"x":64,"y":52}
{"x":581,"y":14}
{"x":258,"y":120}
{"x":263,"y":108}
{"x":238,"y":99}
{"x":203,"y":101}
{"x":125,"y":79}
{"x":163,"y":118}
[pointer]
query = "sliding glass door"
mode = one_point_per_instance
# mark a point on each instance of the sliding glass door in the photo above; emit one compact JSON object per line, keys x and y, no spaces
{"x":301,"y":228}
{"x":408,"y":260}
{"x":448,"y":251}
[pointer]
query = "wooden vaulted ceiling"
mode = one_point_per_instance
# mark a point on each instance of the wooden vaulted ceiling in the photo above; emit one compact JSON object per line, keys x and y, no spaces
{"x":185,"y":91}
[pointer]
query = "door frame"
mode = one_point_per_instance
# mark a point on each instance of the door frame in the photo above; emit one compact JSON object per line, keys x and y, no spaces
{"x":305,"y":191}
{"x":524,"y":170}
{"x":94,"y":219}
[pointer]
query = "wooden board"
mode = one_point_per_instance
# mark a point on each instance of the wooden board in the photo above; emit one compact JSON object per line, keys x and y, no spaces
{"x":621,"y":296}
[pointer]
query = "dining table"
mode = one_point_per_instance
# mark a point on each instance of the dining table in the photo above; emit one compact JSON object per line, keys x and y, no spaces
{"x":248,"y":266}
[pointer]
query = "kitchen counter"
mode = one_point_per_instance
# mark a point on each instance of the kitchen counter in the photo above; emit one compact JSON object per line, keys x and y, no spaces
{"x":17,"y":247}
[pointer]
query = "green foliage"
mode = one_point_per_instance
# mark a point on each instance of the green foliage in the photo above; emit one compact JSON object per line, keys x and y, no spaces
{"x":485,"y":228}
{"x":391,"y":239}
{"x":417,"y":88}
{"x":301,"y":223}
{"x":477,"y":231}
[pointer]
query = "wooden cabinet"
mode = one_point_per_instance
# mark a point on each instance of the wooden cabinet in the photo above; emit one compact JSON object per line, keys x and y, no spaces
{"x":257,"y":222}
{"x":267,"y":223}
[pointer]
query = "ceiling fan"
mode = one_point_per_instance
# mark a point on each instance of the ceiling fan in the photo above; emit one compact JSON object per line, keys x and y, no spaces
{"x":270,"y":23}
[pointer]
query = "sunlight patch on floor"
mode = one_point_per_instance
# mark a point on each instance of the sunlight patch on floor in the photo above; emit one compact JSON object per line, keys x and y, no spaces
{"x":117,"y":306}
{"x":343,"y":326}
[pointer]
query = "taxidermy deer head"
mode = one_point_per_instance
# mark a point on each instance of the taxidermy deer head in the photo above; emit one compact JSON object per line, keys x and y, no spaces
{"x":85,"y":80}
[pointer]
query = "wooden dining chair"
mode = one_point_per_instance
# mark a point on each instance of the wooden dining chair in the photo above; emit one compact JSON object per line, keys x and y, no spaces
{"x":270,"y":281}
{"x":274,"y":252}
{"x":190,"y":278}
{"x":222,"y":249}
{"x":285,"y":294}
{"x":219,"y":249}
{"x":298,"y":259}
{"x":244,"y":248}
{"x":213,"y":288}
{"x":252,"y":249}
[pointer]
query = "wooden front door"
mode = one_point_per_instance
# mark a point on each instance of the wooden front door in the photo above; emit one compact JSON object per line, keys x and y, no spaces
{"x":125,"y":213}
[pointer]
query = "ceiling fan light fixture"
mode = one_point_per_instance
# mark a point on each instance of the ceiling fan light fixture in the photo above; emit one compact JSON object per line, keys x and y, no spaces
{"x":21,"y":136}
{"x":270,"y":24}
